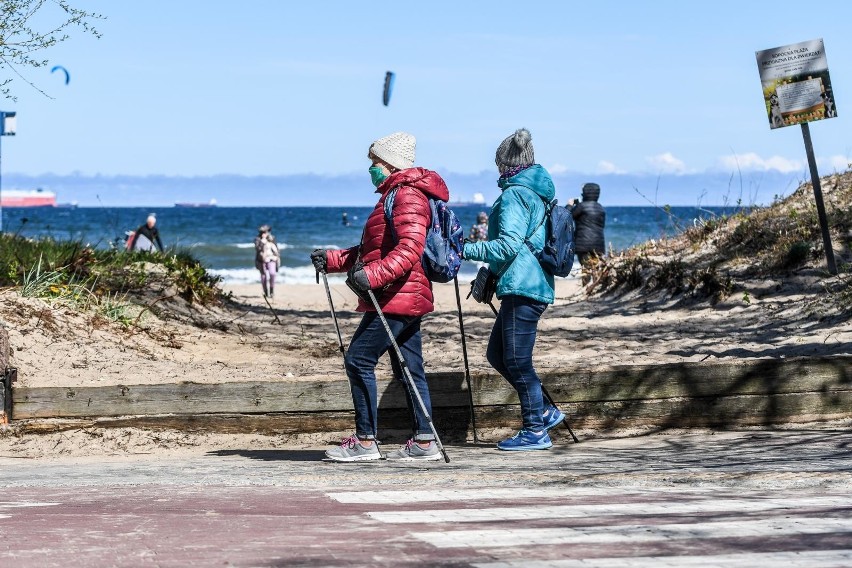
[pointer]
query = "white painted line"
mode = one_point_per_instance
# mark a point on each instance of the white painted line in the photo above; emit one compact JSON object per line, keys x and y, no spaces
{"x":607,"y":509}
{"x":483,"y":539}
{"x":804,"y":559}
{"x":18,"y":504}
{"x":402,"y":497}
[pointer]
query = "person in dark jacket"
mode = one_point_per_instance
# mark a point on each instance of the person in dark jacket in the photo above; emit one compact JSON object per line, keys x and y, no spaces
{"x":589,"y":218}
{"x":147,"y":236}
{"x":391,"y":257}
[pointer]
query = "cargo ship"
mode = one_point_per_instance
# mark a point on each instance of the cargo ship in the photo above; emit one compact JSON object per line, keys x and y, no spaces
{"x":27,"y":198}
{"x":193,"y":204}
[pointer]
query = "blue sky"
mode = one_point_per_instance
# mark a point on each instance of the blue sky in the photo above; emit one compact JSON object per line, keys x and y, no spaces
{"x":196,"y":88}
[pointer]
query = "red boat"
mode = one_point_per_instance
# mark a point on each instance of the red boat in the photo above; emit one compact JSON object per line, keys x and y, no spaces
{"x":27,"y":198}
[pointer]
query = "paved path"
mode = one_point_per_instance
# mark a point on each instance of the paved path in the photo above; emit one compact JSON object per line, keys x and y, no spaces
{"x":737,"y":499}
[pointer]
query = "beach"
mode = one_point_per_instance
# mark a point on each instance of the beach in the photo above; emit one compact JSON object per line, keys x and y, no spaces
{"x":294,"y":339}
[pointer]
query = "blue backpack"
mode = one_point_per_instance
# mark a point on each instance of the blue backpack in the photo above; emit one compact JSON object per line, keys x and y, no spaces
{"x":444,"y":239}
{"x":557,"y":256}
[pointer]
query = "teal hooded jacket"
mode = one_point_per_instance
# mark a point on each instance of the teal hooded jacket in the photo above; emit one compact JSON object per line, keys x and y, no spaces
{"x":514,"y":215}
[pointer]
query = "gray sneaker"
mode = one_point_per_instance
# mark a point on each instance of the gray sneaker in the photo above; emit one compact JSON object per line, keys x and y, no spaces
{"x":412,"y":451}
{"x":351,"y":450}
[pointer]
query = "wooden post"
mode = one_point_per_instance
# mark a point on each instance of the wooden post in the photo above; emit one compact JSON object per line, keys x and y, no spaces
{"x":6,"y":376}
{"x":823,"y":220}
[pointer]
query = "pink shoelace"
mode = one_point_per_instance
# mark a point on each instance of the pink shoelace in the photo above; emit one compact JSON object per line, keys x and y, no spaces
{"x":349,"y":442}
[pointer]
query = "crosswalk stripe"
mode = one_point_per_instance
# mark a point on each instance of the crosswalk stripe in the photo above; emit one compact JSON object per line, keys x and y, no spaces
{"x":18,"y":504}
{"x":607,"y":509}
{"x":397,"y":497}
{"x":803,"y":559}
{"x":632,"y":533}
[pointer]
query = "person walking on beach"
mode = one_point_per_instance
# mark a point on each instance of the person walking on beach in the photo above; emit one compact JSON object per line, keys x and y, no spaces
{"x":147,"y":236}
{"x":267,"y":259}
{"x":388,"y":261}
{"x":523,"y":287}
{"x":589,"y":220}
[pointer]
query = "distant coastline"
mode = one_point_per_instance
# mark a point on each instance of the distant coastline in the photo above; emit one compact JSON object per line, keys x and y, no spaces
{"x":354,"y":190}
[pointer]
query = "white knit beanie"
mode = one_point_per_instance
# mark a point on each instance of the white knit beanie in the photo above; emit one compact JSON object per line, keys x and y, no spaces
{"x":396,"y":149}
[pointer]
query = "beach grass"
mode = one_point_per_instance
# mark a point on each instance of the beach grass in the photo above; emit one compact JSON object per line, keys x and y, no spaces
{"x":711,"y":259}
{"x":114,"y":283}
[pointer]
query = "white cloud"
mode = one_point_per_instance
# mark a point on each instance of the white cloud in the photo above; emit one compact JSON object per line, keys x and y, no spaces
{"x":752,"y":162}
{"x":557,"y":169}
{"x":835,"y":163}
{"x":605,"y":167}
{"x":666,"y":163}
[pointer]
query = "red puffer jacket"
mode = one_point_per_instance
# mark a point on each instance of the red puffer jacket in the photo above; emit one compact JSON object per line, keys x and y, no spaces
{"x":396,"y":263}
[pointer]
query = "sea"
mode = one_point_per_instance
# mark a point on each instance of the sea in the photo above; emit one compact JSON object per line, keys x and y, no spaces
{"x":222,"y":237}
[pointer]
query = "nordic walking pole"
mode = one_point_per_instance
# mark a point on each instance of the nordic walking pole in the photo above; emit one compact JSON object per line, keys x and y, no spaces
{"x":340,"y":340}
{"x":466,"y":366}
{"x":333,"y":314}
{"x":565,"y":422}
{"x":407,"y":374}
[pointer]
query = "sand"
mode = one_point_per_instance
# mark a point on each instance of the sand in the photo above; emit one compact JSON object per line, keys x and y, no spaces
{"x":246,"y":340}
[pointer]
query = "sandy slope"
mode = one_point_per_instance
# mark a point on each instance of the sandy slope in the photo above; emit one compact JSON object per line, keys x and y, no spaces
{"x":243,"y":341}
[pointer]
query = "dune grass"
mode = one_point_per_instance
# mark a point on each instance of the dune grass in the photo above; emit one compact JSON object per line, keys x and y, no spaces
{"x":110,"y":282}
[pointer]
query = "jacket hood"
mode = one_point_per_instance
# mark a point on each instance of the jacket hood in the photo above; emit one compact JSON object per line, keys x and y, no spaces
{"x":591,"y":192}
{"x":427,"y":181}
{"x":535,"y":178}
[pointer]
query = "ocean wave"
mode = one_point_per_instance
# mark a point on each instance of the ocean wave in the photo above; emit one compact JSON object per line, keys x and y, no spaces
{"x":251,"y":245}
{"x":286,"y":275}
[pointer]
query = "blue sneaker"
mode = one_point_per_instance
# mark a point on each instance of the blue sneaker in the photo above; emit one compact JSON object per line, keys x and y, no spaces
{"x":526,"y":440}
{"x":553,"y":417}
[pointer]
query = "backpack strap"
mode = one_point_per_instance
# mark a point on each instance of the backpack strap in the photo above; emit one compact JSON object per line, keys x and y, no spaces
{"x":390,"y":198}
{"x":547,"y":207}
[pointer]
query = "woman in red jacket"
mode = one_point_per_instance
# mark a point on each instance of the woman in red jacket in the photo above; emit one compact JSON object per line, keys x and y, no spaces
{"x":392,"y":269}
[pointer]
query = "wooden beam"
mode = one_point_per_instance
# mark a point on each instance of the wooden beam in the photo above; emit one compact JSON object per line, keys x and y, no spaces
{"x":590,"y":389}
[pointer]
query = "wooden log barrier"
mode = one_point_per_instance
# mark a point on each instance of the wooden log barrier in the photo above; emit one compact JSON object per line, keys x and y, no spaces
{"x":719,"y":394}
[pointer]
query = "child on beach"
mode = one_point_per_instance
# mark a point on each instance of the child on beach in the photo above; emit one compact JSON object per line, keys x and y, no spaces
{"x":391,"y":267}
{"x":523,"y":287}
{"x":479,"y":231}
{"x":267,"y":259}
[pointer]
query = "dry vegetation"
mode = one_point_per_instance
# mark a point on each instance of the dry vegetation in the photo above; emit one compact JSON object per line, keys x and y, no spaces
{"x":721,"y":257}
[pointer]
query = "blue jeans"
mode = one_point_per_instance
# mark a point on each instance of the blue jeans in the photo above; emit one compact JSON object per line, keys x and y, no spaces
{"x":510,"y":350}
{"x":368,"y":344}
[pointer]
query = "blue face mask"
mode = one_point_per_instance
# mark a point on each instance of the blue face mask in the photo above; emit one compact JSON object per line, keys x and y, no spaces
{"x":378,"y":175}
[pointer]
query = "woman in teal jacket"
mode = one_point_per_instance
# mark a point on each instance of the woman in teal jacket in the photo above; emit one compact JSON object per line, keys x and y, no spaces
{"x":523,"y":287}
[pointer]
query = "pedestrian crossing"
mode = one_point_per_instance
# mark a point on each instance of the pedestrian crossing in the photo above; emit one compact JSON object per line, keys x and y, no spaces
{"x":564,"y":527}
{"x":803,"y":559}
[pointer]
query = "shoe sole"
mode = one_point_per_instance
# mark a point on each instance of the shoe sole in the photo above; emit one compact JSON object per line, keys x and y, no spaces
{"x":367,"y":457}
{"x":436,"y":457}
{"x":527,"y":448}
{"x":555,"y":424}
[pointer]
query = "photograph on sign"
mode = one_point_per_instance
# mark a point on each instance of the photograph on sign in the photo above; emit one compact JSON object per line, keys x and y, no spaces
{"x":796,"y":84}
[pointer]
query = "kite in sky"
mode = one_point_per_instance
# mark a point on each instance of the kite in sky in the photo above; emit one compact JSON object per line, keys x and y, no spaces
{"x":386,"y":95}
{"x":64,"y":70}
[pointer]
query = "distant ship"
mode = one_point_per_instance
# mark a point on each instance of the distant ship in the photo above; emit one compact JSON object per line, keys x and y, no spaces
{"x":190,"y":204}
{"x":27,"y":198}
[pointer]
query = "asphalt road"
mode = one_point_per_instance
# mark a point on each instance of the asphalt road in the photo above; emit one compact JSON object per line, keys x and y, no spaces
{"x":753,"y":498}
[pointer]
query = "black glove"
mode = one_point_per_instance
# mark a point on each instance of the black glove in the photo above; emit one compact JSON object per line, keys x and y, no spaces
{"x":465,"y":242}
{"x":318,"y":257}
{"x":360,"y":280}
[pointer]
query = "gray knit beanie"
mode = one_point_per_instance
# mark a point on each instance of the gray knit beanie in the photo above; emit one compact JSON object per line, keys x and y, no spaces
{"x":516,"y":150}
{"x":396,"y":149}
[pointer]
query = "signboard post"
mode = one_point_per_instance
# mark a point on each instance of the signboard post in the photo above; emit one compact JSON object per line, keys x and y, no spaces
{"x":797,"y":90}
{"x":8,"y":126}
